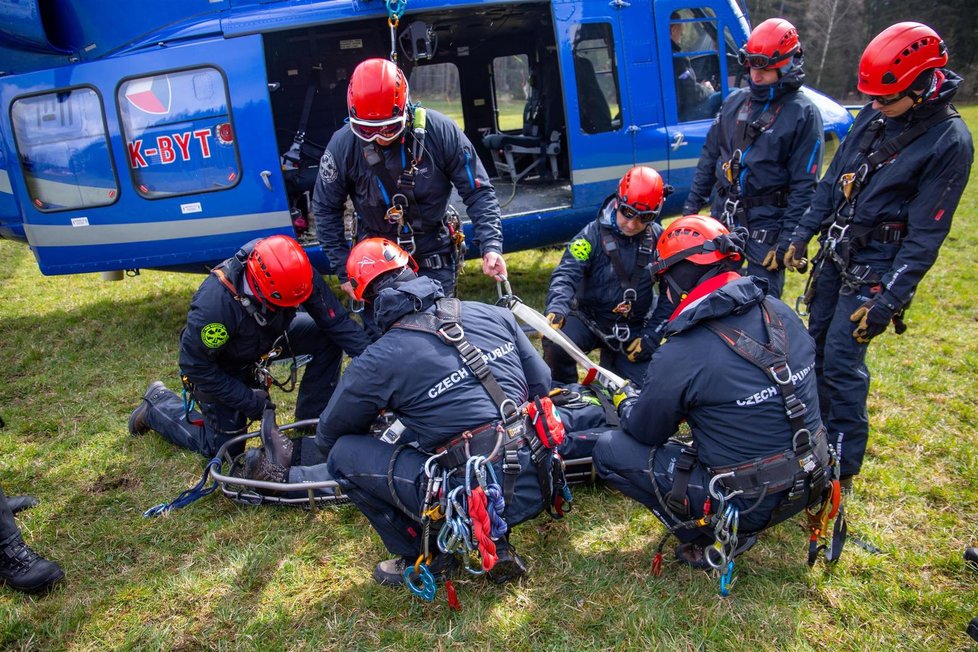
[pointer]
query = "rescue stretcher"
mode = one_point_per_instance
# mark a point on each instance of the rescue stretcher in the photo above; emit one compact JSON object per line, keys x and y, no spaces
{"x":221,"y":470}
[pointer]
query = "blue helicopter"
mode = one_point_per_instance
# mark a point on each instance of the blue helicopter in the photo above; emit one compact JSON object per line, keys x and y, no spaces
{"x":166,"y":137}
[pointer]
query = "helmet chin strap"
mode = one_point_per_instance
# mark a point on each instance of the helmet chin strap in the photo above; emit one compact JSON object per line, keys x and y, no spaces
{"x":681,"y":293}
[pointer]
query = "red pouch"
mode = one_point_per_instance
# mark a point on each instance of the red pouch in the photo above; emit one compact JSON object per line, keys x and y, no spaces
{"x":545,"y":418}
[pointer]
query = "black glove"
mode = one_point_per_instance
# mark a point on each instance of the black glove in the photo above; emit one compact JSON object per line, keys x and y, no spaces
{"x":259,"y":403}
{"x":733,"y":242}
{"x":872,"y":318}
{"x":641,"y":349}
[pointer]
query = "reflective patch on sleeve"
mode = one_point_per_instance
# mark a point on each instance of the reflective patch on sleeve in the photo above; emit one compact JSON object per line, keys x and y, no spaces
{"x":327,"y":168}
{"x":214,"y":335}
{"x":580,"y":249}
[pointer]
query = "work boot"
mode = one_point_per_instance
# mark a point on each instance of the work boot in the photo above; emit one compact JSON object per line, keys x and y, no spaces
{"x":20,"y":503}
{"x":390,"y":572}
{"x":257,"y":466}
{"x":509,"y":566}
{"x":137,"y":420}
{"x":973,"y":629}
{"x":278,"y":447}
{"x":25,"y":570}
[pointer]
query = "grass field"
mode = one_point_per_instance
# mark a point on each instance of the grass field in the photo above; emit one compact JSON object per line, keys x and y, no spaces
{"x":78,"y":353}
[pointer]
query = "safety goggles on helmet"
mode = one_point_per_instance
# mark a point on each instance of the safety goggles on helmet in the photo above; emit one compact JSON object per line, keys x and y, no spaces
{"x":371,"y":130}
{"x":638,"y":211}
{"x":760,"y":61}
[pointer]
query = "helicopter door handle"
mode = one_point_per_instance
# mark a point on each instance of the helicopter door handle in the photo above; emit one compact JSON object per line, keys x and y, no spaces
{"x":266,"y":176}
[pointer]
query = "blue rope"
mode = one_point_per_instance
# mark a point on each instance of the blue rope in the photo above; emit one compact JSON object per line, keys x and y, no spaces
{"x":495,"y":506}
{"x":189,"y":496}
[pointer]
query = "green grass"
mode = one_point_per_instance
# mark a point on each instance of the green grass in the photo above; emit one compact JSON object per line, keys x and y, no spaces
{"x":78,"y":353}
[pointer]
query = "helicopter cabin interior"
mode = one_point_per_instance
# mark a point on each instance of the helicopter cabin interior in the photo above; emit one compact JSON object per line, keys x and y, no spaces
{"x":494,"y":70}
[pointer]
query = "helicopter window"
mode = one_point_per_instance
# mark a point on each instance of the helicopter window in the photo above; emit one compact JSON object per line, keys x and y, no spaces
{"x":63,"y":150}
{"x":178,"y":133}
{"x":436,"y":86}
{"x":596,"y":72}
{"x":695,"y":63}
{"x":513,"y":90}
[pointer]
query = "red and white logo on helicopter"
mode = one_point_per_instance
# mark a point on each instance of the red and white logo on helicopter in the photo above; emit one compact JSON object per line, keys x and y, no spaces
{"x":151,"y":95}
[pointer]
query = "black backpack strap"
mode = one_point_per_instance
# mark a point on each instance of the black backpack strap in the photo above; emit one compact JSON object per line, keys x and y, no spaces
{"x":772,"y":358}
{"x":400,"y":194}
{"x":446,"y":324}
{"x":628,"y":282}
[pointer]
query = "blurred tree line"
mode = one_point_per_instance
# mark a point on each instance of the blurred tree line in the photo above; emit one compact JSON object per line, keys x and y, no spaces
{"x":835,"y":32}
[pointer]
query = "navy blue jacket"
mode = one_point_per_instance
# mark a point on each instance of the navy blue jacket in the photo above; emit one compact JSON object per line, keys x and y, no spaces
{"x":221,"y":341}
{"x":920,"y":186}
{"x":787,"y":155}
{"x":586,"y":280}
{"x":448,"y":159}
{"x":423,"y":380}
{"x":732,"y":407}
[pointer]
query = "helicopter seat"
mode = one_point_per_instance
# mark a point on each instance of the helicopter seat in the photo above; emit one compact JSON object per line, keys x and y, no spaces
{"x":517,"y":155}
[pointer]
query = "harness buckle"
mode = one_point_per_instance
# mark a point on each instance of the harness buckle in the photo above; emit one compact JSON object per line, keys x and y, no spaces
{"x":621,"y":332}
{"x":777,"y":370}
{"x":835,"y":234}
{"x":405,"y":237}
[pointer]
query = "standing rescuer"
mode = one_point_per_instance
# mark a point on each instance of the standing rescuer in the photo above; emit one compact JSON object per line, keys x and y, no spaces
{"x":761,"y":158}
{"x":398,"y":162}
{"x":737,"y":367}
{"x":245,"y":309}
{"x":601,"y":293}
{"x":882,"y":211}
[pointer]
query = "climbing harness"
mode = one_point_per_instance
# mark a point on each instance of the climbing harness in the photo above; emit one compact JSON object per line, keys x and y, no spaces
{"x":841,"y":236}
{"x":735,"y":205}
{"x":808,"y":471}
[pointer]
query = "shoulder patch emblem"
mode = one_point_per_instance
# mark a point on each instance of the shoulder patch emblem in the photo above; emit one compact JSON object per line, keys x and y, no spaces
{"x":327,"y":167}
{"x":214,"y":335}
{"x":580,"y":249}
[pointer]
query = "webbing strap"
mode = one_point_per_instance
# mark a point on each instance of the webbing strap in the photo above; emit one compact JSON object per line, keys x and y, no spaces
{"x":446,"y":324}
{"x":772,"y":358}
{"x":249,"y":306}
{"x":643,"y":257}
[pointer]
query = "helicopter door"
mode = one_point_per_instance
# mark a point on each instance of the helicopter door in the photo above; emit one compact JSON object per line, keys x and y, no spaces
{"x":693,"y":80}
{"x":164,"y":158}
{"x":593,"y":95}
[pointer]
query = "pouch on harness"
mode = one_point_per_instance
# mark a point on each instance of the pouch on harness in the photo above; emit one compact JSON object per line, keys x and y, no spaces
{"x":500,"y":438}
{"x":841,"y":238}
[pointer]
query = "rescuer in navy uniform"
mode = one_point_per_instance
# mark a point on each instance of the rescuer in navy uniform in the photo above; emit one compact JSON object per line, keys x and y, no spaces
{"x":398,"y":162}
{"x":601,"y":291}
{"x":437,"y":397}
{"x":246,"y":307}
{"x":882,"y":210}
{"x":760,"y":161}
{"x":736,"y":411}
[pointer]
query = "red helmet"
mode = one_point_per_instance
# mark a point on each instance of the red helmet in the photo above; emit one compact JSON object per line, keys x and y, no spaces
{"x":278,"y":270}
{"x":893,"y":60}
{"x":691,"y":238}
{"x":377,"y":100}
{"x":640,"y":194}
{"x":372,"y":257}
{"x":770,"y":45}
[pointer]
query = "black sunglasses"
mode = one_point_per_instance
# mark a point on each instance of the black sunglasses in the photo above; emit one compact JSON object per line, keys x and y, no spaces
{"x":882,"y":101}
